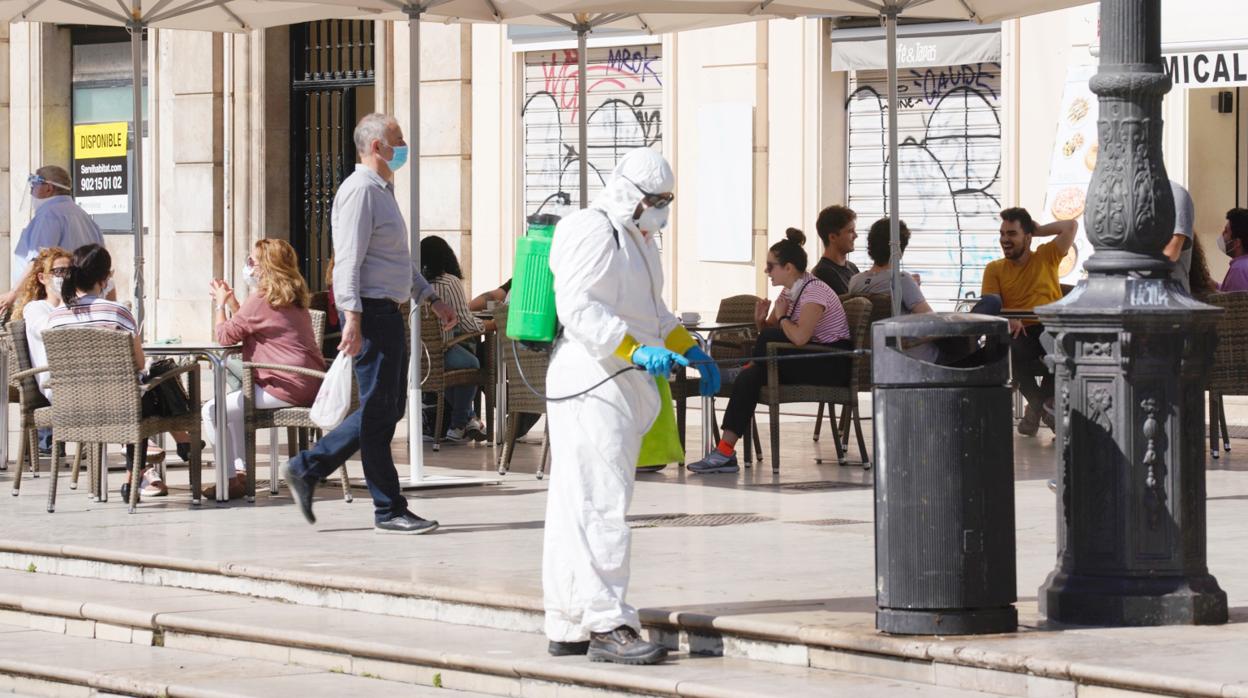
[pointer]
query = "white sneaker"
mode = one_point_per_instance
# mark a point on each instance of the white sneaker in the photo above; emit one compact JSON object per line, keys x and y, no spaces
{"x":151,"y":484}
{"x":474,"y":429}
{"x":456,"y":435}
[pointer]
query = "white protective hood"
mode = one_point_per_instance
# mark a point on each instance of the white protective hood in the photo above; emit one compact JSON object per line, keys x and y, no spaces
{"x":641,"y":168}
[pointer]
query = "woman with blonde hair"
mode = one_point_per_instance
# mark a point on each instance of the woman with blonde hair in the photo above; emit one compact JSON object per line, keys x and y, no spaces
{"x":274,"y":327}
{"x":38,"y":296}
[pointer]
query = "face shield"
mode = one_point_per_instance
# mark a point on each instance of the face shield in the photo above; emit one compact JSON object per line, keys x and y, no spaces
{"x":29,"y":203}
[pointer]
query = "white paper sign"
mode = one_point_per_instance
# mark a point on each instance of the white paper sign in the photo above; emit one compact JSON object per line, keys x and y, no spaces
{"x":725,"y":182}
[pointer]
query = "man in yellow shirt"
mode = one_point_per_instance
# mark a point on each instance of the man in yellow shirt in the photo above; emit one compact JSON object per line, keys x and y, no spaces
{"x":1026,"y":279}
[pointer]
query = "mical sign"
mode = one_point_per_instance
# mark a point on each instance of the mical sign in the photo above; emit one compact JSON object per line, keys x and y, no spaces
{"x":1207,"y":68}
{"x":101,"y":181}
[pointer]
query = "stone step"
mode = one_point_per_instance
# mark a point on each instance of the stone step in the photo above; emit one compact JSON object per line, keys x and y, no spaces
{"x":58,"y":663}
{"x":366,"y":646}
{"x":1026,"y":664}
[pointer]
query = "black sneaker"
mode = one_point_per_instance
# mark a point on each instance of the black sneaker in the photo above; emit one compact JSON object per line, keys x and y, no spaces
{"x":300,"y":490}
{"x":184,"y":450}
{"x":624,"y":646}
{"x":567,"y":649}
{"x":406,"y":523}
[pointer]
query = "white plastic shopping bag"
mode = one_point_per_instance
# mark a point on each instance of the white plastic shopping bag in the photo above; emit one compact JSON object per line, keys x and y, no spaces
{"x":334,"y":398}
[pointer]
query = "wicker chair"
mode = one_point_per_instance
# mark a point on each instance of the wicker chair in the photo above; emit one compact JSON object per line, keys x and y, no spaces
{"x":725,"y":344}
{"x":437,"y":379}
{"x":774,"y":393}
{"x":98,"y":401}
{"x":327,"y":342}
{"x":1229,"y":375}
{"x":521,"y":400}
{"x":300,"y":428}
{"x":36,"y":411}
{"x":881,"y":309}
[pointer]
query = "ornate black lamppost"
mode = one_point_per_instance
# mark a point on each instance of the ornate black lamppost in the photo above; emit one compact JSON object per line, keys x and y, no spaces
{"x":1132,"y":355}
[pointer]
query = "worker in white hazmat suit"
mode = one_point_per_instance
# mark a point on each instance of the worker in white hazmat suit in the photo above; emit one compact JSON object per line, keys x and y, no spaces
{"x":608,"y":295}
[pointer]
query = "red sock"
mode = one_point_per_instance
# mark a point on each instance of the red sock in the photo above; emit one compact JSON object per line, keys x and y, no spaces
{"x":724,"y":448}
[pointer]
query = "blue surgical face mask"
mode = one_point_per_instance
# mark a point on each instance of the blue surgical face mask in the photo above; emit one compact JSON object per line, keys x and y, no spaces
{"x":399,"y":159}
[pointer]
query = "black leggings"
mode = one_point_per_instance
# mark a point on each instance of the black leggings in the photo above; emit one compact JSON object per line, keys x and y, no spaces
{"x":746,"y":389}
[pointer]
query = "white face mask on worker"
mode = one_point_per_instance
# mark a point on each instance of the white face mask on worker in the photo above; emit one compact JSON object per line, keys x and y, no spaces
{"x":652,"y":220}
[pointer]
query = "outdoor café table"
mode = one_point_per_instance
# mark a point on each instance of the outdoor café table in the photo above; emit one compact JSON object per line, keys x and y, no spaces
{"x":704,"y":332}
{"x":494,"y":349}
{"x":215,"y":354}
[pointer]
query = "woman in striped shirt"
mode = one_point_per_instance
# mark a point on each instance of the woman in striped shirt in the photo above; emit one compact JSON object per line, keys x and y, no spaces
{"x":440,"y":266}
{"x":808,"y":310}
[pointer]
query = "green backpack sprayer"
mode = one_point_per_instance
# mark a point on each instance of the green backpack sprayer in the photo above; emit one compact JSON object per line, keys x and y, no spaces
{"x":531,"y":320}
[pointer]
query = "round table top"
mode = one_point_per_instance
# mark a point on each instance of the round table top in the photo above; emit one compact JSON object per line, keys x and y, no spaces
{"x":176,"y":347}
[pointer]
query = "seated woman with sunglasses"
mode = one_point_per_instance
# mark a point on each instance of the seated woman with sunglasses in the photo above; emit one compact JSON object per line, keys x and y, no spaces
{"x":807,"y":310}
{"x":38,"y":296}
{"x":82,"y":288}
{"x":274,"y":327}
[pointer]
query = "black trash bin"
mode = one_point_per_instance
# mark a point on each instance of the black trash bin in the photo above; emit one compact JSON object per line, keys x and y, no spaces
{"x":944,"y":484}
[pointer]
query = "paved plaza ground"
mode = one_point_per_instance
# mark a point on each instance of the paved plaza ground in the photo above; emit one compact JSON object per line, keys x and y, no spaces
{"x":790,"y":555}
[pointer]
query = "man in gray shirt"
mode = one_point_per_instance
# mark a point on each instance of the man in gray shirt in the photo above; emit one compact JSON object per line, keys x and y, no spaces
{"x":373,"y":273}
{"x":1179,"y":249}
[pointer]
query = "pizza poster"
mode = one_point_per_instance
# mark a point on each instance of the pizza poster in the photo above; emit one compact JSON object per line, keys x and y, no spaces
{"x":100,"y":167}
{"x":1070,"y":170}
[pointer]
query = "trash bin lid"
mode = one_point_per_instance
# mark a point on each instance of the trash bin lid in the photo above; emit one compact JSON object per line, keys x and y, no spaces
{"x":944,"y":325}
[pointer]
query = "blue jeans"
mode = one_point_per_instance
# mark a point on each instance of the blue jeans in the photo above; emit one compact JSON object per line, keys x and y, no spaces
{"x":460,"y":398}
{"x":381,"y":372}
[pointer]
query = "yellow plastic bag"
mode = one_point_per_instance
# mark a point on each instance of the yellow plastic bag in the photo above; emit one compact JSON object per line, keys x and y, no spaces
{"x":661,"y":445}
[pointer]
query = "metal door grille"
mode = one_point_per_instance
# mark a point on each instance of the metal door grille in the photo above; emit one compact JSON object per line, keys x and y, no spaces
{"x":331,"y":61}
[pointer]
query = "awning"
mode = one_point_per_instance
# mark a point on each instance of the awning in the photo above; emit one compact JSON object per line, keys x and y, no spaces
{"x":1202,"y":63}
{"x":923,"y":45}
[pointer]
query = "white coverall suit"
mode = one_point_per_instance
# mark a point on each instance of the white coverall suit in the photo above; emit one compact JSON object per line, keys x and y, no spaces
{"x":607,"y":294}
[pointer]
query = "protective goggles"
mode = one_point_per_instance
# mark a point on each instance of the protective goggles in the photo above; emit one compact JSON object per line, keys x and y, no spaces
{"x":659,"y":201}
{"x":35,"y":180}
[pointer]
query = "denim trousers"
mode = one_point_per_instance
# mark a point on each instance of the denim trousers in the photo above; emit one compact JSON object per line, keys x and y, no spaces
{"x":460,"y":398}
{"x":381,"y":373}
{"x":748,"y":385}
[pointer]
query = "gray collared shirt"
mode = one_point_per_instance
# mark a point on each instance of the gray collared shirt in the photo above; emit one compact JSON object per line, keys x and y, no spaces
{"x":371,"y":256}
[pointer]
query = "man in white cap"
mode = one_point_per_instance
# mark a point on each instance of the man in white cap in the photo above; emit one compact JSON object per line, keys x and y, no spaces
{"x":58,"y":222}
{"x":608,"y":296}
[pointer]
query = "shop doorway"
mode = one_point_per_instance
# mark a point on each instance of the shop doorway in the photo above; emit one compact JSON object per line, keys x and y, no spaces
{"x":332,"y":86}
{"x":1217,"y":163}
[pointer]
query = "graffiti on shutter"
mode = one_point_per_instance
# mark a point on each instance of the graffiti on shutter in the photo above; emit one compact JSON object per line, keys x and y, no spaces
{"x":625,"y":92}
{"x":949,"y":158}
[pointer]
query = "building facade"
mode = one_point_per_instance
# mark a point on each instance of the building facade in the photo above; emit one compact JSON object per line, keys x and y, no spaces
{"x":247,"y":135}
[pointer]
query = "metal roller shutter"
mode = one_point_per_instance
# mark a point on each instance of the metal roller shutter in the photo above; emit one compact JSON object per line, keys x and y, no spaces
{"x":950,"y":170}
{"x":625,"y":92}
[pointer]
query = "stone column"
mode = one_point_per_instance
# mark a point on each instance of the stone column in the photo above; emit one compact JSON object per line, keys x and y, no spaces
{"x":190,"y":141}
{"x":446,"y":127}
{"x":38,"y":114}
{"x":1132,"y":354}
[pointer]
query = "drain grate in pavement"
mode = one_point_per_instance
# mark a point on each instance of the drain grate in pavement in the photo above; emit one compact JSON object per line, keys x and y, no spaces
{"x":813,"y":486}
{"x":832,"y":522}
{"x":691,"y":520}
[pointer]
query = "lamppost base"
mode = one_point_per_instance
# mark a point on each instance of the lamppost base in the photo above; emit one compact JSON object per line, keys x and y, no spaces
{"x":1133,"y":601}
{"x":971,"y":621}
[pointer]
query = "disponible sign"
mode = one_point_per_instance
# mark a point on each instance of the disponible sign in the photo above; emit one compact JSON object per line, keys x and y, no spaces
{"x":1208,"y":69}
{"x":101,"y":172}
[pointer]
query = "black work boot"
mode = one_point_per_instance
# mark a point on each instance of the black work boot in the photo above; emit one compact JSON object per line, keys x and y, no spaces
{"x":565,"y":649}
{"x":624,"y":646}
